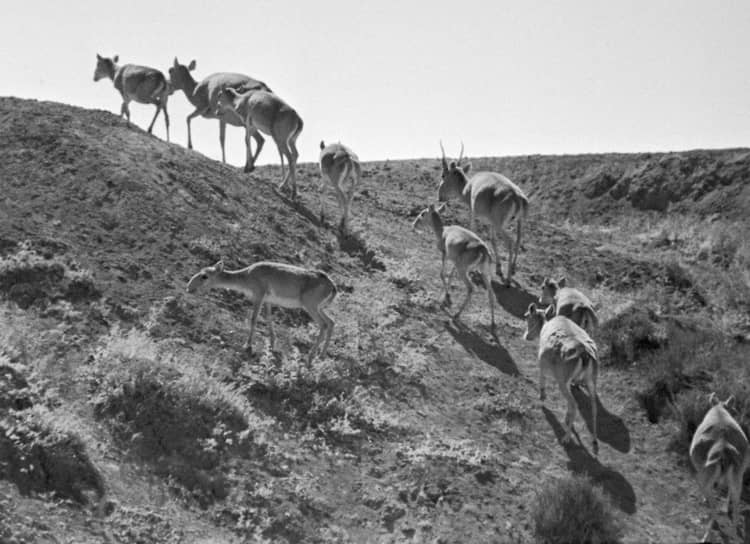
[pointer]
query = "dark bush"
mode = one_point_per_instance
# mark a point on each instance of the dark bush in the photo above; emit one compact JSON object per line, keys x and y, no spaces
{"x":572,"y":510}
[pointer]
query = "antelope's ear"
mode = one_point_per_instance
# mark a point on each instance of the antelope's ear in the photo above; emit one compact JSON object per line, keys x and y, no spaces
{"x":549,"y":313}
{"x":232,"y":91}
{"x":115,"y":58}
{"x":466,"y":167}
{"x":441,"y":207}
{"x":561,"y":282}
{"x":192,"y":65}
{"x":98,"y":56}
{"x":176,"y":63}
{"x":729,"y":401}
{"x":532,"y":308}
{"x":713,"y":400}
{"x":219,"y":266}
{"x":322,"y":144}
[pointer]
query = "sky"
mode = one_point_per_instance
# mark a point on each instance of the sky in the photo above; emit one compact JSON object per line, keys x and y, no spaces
{"x":393,"y":78}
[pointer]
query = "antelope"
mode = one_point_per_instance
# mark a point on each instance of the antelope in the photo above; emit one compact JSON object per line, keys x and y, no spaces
{"x":719,"y":453}
{"x":275,"y":284}
{"x":491,"y":196}
{"x":139,"y":83}
{"x":568,"y":353}
{"x":465,"y":249}
{"x":204,"y":96}
{"x":263,"y":111}
{"x":338,"y":164}
{"x":569,"y":302}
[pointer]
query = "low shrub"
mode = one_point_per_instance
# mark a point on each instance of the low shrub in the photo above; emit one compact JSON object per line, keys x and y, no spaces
{"x":572,"y":510}
{"x":28,"y":278}
{"x":171,"y":413}
{"x":40,"y":453}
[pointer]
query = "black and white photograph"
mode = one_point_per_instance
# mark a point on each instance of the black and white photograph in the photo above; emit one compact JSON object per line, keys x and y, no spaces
{"x":388,"y":272}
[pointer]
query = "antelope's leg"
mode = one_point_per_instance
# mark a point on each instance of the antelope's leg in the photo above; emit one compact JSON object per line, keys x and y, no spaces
{"x":222,"y":139}
{"x":253,"y":320}
{"x":269,"y":321}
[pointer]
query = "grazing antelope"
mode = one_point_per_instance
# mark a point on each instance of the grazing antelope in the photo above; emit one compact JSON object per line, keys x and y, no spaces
{"x":491,"y":196}
{"x":205,"y":95}
{"x":263,"y":111}
{"x":279,"y":285}
{"x":467,"y":252}
{"x":569,"y":302}
{"x":139,"y":83}
{"x":719,"y":453}
{"x":339,"y":164}
{"x":568,"y":353}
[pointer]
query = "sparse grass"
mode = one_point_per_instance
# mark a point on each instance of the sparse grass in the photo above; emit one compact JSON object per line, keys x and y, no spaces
{"x":168,"y":410}
{"x":463,"y":452}
{"x":573,"y":510}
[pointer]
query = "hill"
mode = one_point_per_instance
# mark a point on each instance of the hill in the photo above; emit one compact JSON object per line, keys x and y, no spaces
{"x":131,"y":413}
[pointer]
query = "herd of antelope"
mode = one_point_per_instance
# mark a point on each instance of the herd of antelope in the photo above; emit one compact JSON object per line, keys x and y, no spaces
{"x":563,"y":320}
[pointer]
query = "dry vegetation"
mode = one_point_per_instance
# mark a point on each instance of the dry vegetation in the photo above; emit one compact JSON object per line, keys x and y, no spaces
{"x":130,"y":413}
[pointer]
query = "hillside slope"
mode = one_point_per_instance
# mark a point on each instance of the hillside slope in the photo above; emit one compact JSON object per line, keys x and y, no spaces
{"x":415,"y":428}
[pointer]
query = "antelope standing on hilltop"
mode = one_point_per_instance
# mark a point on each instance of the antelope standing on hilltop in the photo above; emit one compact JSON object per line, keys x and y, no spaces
{"x":136,"y":83}
{"x":467,"y":252}
{"x":569,"y":302}
{"x":204,"y":97}
{"x":719,"y":454}
{"x":265,"y":112}
{"x":568,"y":353}
{"x":275,"y":284}
{"x":491,"y":196}
{"x":340,"y":166}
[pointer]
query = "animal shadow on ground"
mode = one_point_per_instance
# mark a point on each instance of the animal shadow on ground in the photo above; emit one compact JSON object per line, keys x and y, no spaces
{"x":609,"y":428}
{"x":299,"y":207}
{"x":494,"y":355}
{"x":514,"y":299}
{"x":612,"y":482}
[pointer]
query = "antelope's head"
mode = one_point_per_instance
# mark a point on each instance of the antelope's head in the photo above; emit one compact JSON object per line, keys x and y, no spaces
{"x":179,"y":74}
{"x":228,"y":101}
{"x":428,"y":216}
{"x":453,"y":177}
{"x":206,"y":278}
{"x":105,"y":67}
{"x":535,"y":317}
{"x":549,"y":290}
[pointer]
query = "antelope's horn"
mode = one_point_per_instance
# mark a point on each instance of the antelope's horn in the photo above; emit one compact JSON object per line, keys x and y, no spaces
{"x":445,"y":162}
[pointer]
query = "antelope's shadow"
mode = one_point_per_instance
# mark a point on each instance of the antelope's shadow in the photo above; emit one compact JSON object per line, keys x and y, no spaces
{"x":614,"y":484}
{"x":514,"y":299}
{"x":494,"y":354}
{"x":610,"y":428}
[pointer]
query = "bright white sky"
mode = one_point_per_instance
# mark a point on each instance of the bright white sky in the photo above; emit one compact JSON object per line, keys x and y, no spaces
{"x":391,"y":78}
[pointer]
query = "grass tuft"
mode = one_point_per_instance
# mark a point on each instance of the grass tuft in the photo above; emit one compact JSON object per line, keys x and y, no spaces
{"x":573,"y":510}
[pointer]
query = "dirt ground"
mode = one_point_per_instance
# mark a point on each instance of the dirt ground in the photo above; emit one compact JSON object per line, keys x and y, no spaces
{"x":416,"y":428}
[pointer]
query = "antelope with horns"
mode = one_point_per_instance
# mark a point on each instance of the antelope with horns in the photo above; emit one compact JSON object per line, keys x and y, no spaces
{"x":569,"y":302}
{"x":719,"y":454}
{"x":467,"y":252}
{"x":340,"y":166}
{"x":568,"y":353}
{"x":491,"y":196}
{"x":262,"y":111}
{"x":204,"y":97}
{"x":275,"y":284}
{"x":136,"y":83}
